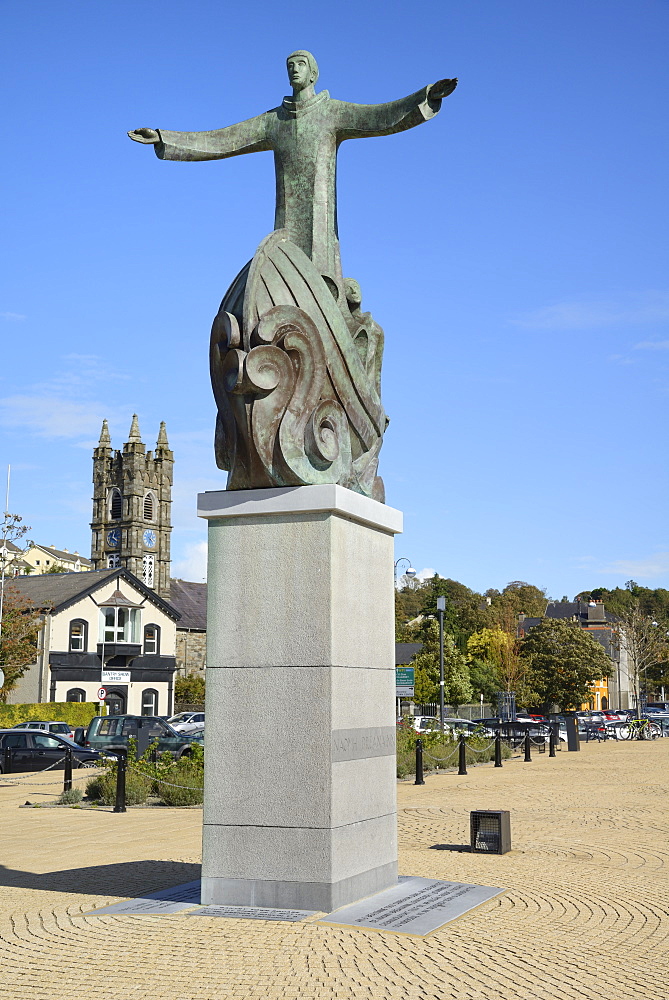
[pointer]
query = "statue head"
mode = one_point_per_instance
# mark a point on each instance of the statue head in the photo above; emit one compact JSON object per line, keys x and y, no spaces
{"x":353,"y":293}
{"x":302,"y":70}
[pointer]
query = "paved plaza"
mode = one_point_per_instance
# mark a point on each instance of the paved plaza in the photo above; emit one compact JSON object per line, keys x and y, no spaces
{"x":584,"y":914}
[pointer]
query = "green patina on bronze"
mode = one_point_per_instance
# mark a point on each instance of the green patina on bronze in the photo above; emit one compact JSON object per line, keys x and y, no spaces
{"x":304,"y":133}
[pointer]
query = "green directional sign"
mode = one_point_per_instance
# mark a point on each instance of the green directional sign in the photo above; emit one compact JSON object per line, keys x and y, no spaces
{"x":404,"y":682}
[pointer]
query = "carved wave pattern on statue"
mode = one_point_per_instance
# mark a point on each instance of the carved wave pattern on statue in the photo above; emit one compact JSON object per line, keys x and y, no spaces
{"x":296,"y":404}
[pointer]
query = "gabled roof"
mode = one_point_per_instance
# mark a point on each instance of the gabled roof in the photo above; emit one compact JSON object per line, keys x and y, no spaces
{"x":404,"y":651}
{"x":190,"y":600}
{"x":62,"y":554}
{"x":578,"y":610}
{"x":9,"y":545}
{"x":60,"y":590}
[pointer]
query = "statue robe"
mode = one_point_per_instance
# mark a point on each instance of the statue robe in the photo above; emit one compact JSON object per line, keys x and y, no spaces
{"x":304,"y":137}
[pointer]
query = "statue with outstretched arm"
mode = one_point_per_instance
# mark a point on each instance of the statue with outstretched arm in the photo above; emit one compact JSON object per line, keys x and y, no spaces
{"x":304,"y":133}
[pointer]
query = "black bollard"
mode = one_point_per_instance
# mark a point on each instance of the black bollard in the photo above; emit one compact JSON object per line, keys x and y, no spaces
{"x":7,"y":761}
{"x":551,"y":742}
{"x":527,"y":746}
{"x":121,"y":766}
{"x":462,"y":755}
{"x":420,"y":780}
{"x":498,"y":749}
{"x":67,"y":776}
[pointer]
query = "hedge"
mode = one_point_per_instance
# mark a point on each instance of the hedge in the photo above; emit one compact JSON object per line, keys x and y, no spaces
{"x":75,"y":713}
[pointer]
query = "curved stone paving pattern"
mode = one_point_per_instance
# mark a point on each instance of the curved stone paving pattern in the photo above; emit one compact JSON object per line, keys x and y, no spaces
{"x":584,"y":915}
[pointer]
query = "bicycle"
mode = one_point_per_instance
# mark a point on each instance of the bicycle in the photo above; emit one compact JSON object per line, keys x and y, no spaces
{"x":639,"y":729}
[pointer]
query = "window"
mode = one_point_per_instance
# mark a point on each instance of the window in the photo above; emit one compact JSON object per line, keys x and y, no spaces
{"x":154,"y":728}
{"x":44,"y":742}
{"x":151,"y":639}
{"x":17,"y":741}
{"x":78,"y":636}
{"x":119,"y":624}
{"x":107,"y":727}
{"x":75,"y":694}
{"x":150,"y":702}
{"x":148,"y":564}
{"x":115,"y":505}
{"x":149,"y":506}
{"x":130,"y":728}
{"x":113,"y":561}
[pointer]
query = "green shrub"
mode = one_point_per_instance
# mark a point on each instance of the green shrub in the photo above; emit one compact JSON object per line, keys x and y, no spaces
{"x":441,"y":752}
{"x":94,"y":787}
{"x":184,"y":785}
{"x":70,"y":797}
{"x":75,"y":713}
{"x":103,"y":788}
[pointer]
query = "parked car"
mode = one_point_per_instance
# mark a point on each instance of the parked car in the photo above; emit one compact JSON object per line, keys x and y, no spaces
{"x":465,"y":725}
{"x":425,"y":723}
{"x":61,"y":728}
{"x":32,"y":750}
{"x":113,"y":732}
{"x":187,"y":722}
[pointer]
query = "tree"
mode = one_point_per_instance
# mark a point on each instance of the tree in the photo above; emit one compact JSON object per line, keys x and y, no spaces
{"x":189,"y":690}
{"x":517,"y":598}
{"x":21,"y":624}
{"x":457,"y":688}
{"x":500,"y":650}
{"x":562,"y":661}
{"x":56,"y":568}
{"x":647,"y":644}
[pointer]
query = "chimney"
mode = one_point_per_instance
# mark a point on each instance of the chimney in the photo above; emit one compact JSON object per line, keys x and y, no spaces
{"x":596,"y":611}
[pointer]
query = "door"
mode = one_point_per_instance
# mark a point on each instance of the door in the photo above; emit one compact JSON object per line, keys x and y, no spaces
{"x":48,"y":752}
{"x":115,"y":702}
{"x":22,"y":753}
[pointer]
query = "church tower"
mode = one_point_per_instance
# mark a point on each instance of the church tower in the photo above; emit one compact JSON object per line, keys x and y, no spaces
{"x":132,"y":497}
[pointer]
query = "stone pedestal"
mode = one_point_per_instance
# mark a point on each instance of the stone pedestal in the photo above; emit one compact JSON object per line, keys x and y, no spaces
{"x":300,"y":807}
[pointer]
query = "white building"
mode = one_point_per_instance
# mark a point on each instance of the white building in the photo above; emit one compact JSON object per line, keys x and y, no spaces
{"x":101,"y":628}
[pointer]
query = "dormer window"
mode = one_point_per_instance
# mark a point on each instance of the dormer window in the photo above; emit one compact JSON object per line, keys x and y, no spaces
{"x":115,"y":505}
{"x":149,"y":507}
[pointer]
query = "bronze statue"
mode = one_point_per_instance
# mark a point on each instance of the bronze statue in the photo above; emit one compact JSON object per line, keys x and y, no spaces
{"x":297,"y":268}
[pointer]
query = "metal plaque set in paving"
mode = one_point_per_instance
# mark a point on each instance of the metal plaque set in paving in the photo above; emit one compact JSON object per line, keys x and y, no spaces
{"x":413,"y":906}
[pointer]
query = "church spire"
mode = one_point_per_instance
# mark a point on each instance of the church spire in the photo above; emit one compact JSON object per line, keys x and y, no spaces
{"x":162,"y":441}
{"x":105,"y":440}
{"x":135,"y":437}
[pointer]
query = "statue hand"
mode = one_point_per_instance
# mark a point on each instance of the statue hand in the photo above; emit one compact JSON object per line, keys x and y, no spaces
{"x":145,"y":135}
{"x":440,"y":89}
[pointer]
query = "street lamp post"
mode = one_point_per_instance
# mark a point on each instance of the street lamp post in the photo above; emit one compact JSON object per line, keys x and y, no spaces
{"x":441,"y":607}
{"x":411,"y":572}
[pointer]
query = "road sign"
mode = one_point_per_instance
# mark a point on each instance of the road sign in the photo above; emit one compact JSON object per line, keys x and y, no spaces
{"x":102,"y":694}
{"x":2,"y":677}
{"x":404,"y":682}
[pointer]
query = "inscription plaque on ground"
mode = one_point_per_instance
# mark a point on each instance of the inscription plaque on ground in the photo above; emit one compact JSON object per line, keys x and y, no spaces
{"x":250,"y":913}
{"x":179,"y":897}
{"x":413,"y":906}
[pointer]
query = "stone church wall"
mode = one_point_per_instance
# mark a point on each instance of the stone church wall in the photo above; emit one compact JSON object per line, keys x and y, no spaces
{"x":191,"y":652}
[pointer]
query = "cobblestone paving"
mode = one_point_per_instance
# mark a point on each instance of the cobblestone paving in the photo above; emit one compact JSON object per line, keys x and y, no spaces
{"x":584,"y":915}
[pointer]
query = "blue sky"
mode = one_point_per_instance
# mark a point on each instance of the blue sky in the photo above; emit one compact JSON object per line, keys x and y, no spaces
{"x":514,"y":249}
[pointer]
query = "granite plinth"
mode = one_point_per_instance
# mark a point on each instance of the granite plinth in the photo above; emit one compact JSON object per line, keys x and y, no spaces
{"x":300,"y":745}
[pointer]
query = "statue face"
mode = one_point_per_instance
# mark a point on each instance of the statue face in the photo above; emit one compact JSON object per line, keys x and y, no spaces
{"x":299,"y":72}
